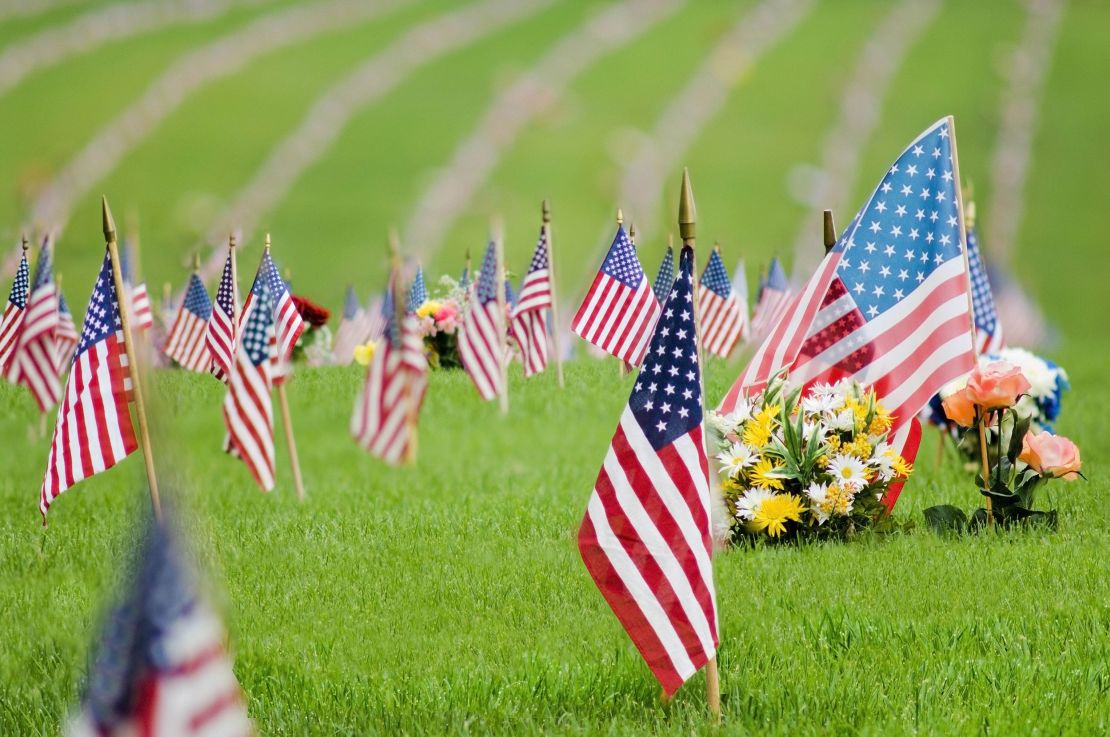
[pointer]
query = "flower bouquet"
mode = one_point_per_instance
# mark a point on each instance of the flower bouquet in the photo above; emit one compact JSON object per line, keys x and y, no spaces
{"x":811,"y":464}
{"x":314,"y":343}
{"x":1016,"y":459}
{"x":439,"y":321}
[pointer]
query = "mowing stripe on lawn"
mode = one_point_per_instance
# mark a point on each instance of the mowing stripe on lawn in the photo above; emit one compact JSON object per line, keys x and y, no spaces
{"x":860,"y":112}
{"x":222,"y":58}
{"x":331,"y":111}
{"x":526,"y":99}
{"x":103,"y":25}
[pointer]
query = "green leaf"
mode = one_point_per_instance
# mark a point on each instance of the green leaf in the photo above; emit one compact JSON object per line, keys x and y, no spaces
{"x":945,"y":519}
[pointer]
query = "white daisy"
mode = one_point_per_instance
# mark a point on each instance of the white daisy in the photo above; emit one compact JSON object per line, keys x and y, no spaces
{"x":747,"y":505}
{"x":819,"y":501}
{"x":822,"y":403}
{"x":882,"y":461}
{"x":843,"y":421}
{"x":850,"y":472}
{"x":736,"y":458}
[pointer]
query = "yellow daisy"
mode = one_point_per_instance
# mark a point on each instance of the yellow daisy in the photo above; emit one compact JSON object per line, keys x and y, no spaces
{"x":428,"y":309}
{"x":774,"y":512}
{"x":762,"y":476}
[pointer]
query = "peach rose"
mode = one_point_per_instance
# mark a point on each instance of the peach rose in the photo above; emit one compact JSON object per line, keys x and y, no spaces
{"x":1051,"y":455}
{"x":959,"y":408}
{"x":996,"y":385}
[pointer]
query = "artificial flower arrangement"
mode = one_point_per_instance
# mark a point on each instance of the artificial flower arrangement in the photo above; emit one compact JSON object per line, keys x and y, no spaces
{"x":440,"y":318}
{"x":314,"y":343}
{"x":1016,"y":458}
{"x":811,"y":464}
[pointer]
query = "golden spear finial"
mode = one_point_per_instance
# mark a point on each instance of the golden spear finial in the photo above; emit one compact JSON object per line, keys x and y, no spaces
{"x":231,"y":240}
{"x":267,"y":242}
{"x":717,"y":246}
{"x":687,"y":213}
{"x":632,"y":232}
{"x":26,"y":243}
{"x":109,"y":221}
{"x":620,"y":216}
{"x":546,"y":212}
{"x":196,"y":262}
{"x":830,"y":231}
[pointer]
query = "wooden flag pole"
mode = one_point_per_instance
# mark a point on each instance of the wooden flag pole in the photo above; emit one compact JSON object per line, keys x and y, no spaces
{"x":396,"y":283}
{"x":231,"y":254}
{"x":556,"y":338}
{"x":687,"y":217}
{"x":287,"y":421}
{"x":132,"y":362}
{"x":499,"y":252}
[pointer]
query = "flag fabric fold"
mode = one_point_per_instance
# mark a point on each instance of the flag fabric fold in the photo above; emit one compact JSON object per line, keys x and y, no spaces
{"x":66,"y":337}
{"x":529,"y":314}
{"x":645,"y":538}
{"x":988,"y":329}
{"x":289,"y":323}
{"x":14,"y":312}
{"x":664,"y":279}
{"x":772,"y":301}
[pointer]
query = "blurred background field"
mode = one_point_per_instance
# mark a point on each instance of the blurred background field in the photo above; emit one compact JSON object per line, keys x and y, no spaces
{"x":449,"y":598}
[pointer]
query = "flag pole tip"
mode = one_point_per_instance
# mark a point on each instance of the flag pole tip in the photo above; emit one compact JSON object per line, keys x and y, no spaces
{"x":231,"y":240}
{"x":26,"y":243}
{"x":632,"y":232}
{"x":620,"y":216}
{"x":829,"y":230}
{"x":546,"y":211}
{"x":196,"y":262}
{"x":687,"y":213}
{"x":109,"y":221}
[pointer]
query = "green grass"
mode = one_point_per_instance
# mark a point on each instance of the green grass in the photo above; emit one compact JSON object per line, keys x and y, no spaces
{"x":449,"y":597}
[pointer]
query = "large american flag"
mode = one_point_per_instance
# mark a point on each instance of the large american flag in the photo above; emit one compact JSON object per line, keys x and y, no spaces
{"x":386,"y":412}
{"x":646,"y":537}
{"x":222,"y":336}
{"x":185,"y":342}
{"x":290,"y":325}
{"x":65,"y":336}
{"x":620,"y":309}
{"x":418,"y":293}
{"x":988,"y":329}
{"x":665,"y":277}
{"x":14,"y":311}
{"x":352,"y":331}
{"x":248,"y":409}
{"x":161,"y":666}
{"x":140,"y":315}
{"x":93,"y":431}
{"x":772,"y":301}
{"x":529,"y":314}
{"x":721,"y":318}
{"x":889,"y":306}
{"x":34,"y":364}
{"x":482,"y":337}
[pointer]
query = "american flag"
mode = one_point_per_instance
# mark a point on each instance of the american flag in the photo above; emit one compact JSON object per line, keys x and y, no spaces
{"x":387,"y":410}
{"x":352,"y":330}
{"x":140,"y":314}
{"x":222,"y":336}
{"x":740,"y":289}
{"x":248,"y":409}
{"x":14,"y":312}
{"x":464,"y":278}
{"x":418,"y":292}
{"x":721,"y":318}
{"x":162,"y":667}
{"x":186,"y":341}
{"x":771,"y":302}
{"x":665,"y":278}
{"x":482,"y":343}
{"x":529,"y":314}
{"x":646,"y":537}
{"x":375,"y":318}
{"x":93,"y":431}
{"x":290,"y":325}
{"x":620,"y":309}
{"x":65,"y":336}
{"x":988,"y":330}
{"x":888,"y":307}
{"x":34,"y":364}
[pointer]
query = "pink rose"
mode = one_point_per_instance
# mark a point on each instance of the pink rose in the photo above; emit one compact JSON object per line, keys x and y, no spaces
{"x":959,"y":408}
{"x":1051,"y":455}
{"x":446,"y":312}
{"x":996,"y":385}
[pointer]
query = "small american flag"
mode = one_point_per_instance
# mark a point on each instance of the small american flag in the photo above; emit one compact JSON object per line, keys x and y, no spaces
{"x":418,"y":292}
{"x":352,"y":330}
{"x":93,"y":431}
{"x":290,"y":325}
{"x":645,"y":538}
{"x":464,"y":278}
{"x":482,"y":337}
{"x":988,"y":330}
{"x":771,"y":302}
{"x":14,"y":312}
{"x":721,"y":318}
{"x":34,"y":364}
{"x":665,"y":278}
{"x":66,"y":335}
{"x":248,"y":409}
{"x":375,"y":318}
{"x":140,"y":314}
{"x":529,"y":314}
{"x":620,"y":309}
{"x":888,"y":307}
{"x":186,"y":342}
{"x":386,"y":412}
{"x":162,"y":666}
{"x":222,"y":336}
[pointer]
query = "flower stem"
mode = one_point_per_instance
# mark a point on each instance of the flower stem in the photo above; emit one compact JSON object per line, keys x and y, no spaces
{"x":986,"y":465}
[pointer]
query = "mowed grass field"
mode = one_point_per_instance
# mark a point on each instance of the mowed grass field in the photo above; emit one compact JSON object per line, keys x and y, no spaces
{"x":449,"y":597}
